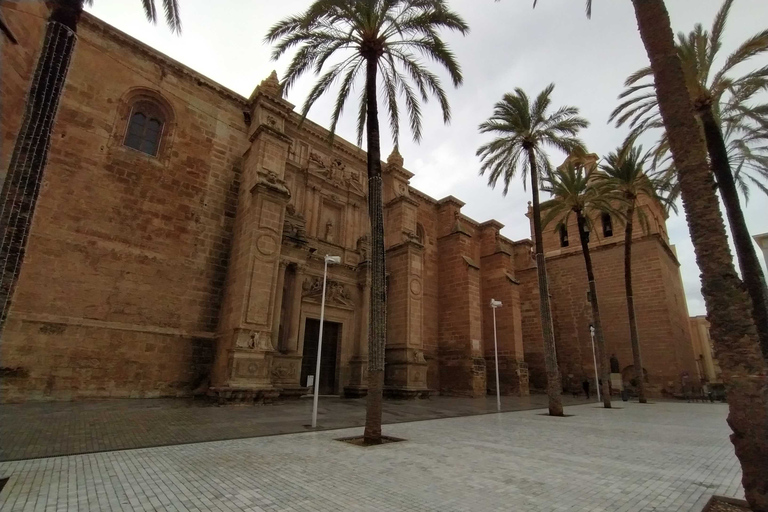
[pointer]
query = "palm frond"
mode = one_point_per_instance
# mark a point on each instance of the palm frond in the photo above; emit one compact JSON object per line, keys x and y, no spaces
{"x":524,"y":128}
{"x":394,"y":34}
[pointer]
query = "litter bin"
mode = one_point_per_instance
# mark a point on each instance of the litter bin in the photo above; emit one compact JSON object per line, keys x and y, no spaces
{"x":625,"y":395}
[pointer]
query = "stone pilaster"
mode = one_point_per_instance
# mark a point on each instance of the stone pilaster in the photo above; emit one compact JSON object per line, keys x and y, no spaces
{"x":460,"y":343}
{"x":243,"y":363}
{"x":358,"y":364}
{"x":406,"y":368}
{"x":294,"y":325}
{"x":499,"y":283}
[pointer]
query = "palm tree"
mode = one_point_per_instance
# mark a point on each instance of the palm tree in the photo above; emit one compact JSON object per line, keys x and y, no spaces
{"x":573,"y":191}
{"x":728,"y":309}
{"x":623,"y":174}
{"x":372,"y":37}
{"x":30,"y":153}
{"x":524,"y":129}
{"x":722,"y":105}
{"x":728,"y":305}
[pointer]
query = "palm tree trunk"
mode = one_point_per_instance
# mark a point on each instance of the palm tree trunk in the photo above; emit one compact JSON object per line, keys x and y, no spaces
{"x":751,"y":272}
{"x":602,"y":357}
{"x":30,"y":153}
{"x":633,"y":338}
{"x":377,"y":330}
{"x":728,"y":308}
{"x":554,"y":384}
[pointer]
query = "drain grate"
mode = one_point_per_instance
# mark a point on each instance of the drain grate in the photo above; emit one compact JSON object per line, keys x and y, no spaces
{"x":3,"y":481}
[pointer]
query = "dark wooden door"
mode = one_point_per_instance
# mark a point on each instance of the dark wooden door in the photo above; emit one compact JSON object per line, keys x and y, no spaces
{"x":331,"y":336}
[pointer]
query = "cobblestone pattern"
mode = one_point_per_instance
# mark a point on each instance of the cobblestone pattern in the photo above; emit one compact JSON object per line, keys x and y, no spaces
{"x":660,"y":457}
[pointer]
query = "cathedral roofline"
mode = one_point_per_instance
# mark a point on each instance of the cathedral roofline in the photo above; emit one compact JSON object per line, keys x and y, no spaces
{"x":307,"y":125}
{"x":108,"y":30}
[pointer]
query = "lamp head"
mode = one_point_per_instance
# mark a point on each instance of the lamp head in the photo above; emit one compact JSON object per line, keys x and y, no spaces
{"x":333,"y":260}
{"x":495,"y":303}
{"x":591,"y":329}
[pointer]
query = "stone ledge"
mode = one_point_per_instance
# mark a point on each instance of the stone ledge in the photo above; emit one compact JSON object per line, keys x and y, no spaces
{"x":101,"y":324}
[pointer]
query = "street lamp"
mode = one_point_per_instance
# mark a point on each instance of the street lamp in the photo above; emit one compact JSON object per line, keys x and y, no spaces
{"x":333,"y":260}
{"x":495,"y":304}
{"x":594,"y":359}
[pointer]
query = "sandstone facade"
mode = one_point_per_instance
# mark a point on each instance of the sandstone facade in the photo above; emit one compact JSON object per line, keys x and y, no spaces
{"x":199,"y":266}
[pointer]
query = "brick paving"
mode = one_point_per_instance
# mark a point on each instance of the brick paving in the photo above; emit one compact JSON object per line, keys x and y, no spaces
{"x":660,"y":457}
{"x":66,"y":428}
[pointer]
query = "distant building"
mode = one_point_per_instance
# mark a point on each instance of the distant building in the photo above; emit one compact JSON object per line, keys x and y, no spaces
{"x":178,"y":245}
{"x":704,"y":351}
{"x":762,"y":242}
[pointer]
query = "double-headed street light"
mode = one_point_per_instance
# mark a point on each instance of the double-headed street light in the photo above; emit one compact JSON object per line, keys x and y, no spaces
{"x":495,"y":304}
{"x":333,"y":260}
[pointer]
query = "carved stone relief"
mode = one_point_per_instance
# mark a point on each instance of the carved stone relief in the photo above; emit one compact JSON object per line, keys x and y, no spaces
{"x":335,"y":292}
{"x":363,"y":247}
{"x":294,"y":226}
{"x":253,"y":340}
{"x":336,"y":172}
{"x":285,"y":370}
{"x":331,"y":218}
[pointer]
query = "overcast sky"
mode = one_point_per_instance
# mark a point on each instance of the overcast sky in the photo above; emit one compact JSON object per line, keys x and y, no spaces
{"x":510,"y":45}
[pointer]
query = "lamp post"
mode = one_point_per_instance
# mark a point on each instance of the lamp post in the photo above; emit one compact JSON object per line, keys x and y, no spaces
{"x":594,"y":359}
{"x":495,"y":304}
{"x":334,"y":260}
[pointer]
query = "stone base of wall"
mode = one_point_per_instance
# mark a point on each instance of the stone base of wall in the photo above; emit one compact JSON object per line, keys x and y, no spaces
{"x":65,"y":359}
{"x":405,"y":393}
{"x":462,"y":376}
{"x":227,"y":395}
{"x":537,"y":371}
{"x":355,"y":391}
{"x":513,"y":376}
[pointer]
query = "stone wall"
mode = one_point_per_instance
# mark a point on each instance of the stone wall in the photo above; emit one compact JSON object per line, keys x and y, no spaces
{"x":120,"y":290}
{"x":662,"y":322}
{"x":142,"y":271}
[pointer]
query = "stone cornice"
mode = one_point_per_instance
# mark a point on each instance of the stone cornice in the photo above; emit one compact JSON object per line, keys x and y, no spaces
{"x":402,"y":199}
{"x":422,"y":195}
{"x":104,"y":28}
{"x":264,"y":128}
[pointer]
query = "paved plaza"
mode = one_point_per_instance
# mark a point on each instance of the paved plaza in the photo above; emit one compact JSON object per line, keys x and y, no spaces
{"x":657,"y":457}
{"x":47,"y":429}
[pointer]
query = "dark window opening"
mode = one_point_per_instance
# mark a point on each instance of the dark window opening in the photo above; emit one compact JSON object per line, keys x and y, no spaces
{"x":563,"y":236}
{"x":145,"y":128}
{"x":607,"y":225}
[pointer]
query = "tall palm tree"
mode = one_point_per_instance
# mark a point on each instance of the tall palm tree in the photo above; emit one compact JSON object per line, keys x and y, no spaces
{"x":623,"y":174}
{"x":372,"y":38}
{"x":573,"y":191}
{"x":721,"y":100}
{"x":524,"y":130}
{"x":728,"y":305}
{"x":30,"y":153}
{"x":728,"y":308}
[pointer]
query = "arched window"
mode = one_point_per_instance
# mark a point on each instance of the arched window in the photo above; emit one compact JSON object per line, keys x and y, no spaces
{"x":145,"y":127}
{"x":420,"y":233}
{"x":563,"y":236}
{"x":607,"y":225}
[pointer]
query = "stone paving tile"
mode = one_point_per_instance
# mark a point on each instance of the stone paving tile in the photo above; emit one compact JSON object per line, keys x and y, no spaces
{"x":67,"y":428}
{"x":660,"y":457}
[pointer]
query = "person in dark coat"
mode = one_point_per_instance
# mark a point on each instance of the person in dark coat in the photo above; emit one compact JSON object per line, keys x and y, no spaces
{"x":585,"y":387}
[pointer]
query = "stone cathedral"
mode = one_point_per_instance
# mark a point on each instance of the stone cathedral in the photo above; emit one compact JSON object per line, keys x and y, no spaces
{"x":179,"y":238}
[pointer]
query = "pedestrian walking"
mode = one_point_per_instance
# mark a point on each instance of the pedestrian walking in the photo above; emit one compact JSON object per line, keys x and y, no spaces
{"x":585,"y":387}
